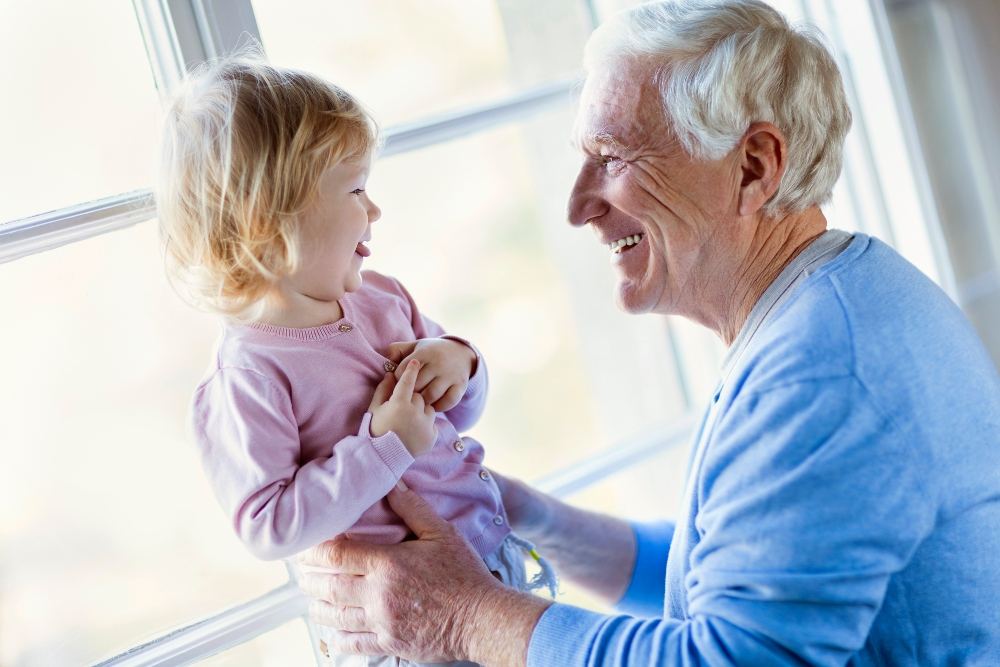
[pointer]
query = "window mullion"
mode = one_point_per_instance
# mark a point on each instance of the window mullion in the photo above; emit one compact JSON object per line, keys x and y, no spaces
{"x":218,"y":633}
{"x":224,"y":25}
{"x":181,"y":34}
{"x":50,"y":230}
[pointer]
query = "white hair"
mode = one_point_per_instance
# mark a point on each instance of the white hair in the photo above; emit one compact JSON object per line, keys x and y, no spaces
{"x":721,"y":65}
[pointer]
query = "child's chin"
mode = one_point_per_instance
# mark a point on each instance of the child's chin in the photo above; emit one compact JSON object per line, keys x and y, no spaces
{"x":354,"y":284}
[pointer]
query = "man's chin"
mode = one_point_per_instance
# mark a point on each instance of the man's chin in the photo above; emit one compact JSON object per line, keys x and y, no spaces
{"x":632,"y":301}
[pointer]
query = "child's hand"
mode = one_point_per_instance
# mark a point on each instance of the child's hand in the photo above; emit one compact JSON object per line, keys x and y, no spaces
{"x":447,"y":366}
{"x":398,"y":408}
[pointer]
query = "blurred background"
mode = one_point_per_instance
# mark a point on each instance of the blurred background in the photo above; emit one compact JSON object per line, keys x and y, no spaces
{"x":109,"y":535}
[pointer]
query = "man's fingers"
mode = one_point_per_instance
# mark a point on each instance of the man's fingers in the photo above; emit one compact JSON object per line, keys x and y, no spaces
{"x":340,"y":556}
{"x":353,"y":643}
{"x":340,"y":590}
{"x":398,"y":351}
{"x":339,"y":617}
{"x":383,"y":391}
{"x":416,"y":513}
{"x":404,"y":387}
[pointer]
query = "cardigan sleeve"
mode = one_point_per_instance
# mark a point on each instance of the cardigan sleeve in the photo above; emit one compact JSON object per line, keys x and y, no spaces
{"x":645,"y":593}
{"x":249,"y":446}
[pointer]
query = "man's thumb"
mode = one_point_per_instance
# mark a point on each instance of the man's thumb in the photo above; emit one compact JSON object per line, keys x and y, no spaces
{"x":416,"y":513}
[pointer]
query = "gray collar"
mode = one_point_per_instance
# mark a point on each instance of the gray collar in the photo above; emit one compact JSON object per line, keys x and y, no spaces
{"x":822,"y":250}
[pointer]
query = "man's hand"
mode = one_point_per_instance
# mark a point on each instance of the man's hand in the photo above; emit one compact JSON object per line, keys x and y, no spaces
{"x":428,"y":600}
{"x":446,"y":368}
{"x":398,"y":408}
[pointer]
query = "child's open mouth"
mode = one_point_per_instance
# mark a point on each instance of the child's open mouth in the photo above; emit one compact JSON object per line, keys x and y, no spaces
{"x":362,"y":250}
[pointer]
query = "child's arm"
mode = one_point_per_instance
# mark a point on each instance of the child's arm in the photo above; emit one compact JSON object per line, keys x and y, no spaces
{"x":469,"y":408}
{"x":250,"y":449}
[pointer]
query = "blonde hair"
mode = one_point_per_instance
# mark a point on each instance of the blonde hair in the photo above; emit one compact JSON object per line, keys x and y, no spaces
{"x":244,"y":146}
{"x":724,"y":64}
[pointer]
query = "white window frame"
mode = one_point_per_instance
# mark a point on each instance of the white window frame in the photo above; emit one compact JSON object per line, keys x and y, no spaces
{"x":180,"y":34}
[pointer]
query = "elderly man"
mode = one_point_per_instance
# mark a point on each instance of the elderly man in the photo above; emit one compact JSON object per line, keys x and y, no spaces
{"x":843,"y":499}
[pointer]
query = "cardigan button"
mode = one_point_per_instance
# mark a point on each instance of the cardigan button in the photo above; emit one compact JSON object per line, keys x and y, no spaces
{"x":498,"y":520}
{"x":345,"y":327}
{"x":459,"y":446}
{"x":389,"y":366}
{"x":483,"y":475}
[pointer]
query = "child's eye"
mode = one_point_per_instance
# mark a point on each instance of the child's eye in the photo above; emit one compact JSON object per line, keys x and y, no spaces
{"x":358,"y":191}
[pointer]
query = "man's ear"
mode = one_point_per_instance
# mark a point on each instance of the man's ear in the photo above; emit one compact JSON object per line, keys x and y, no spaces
{"x":763,"y":166}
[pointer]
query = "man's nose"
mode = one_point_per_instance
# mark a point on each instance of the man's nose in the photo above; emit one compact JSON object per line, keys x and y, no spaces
{"x":585,"y":202}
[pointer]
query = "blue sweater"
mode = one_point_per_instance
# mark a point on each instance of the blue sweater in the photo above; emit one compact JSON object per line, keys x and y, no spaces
{"x":843,"y":499}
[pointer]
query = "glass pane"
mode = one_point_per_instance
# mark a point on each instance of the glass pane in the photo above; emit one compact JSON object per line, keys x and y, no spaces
{"x":650,"y":490}
{"x":110,"y":533}
{"x":406,"y":60}
{"x":284,"y":646}
{"x":476,"y":230}
{"x":80,"y":106}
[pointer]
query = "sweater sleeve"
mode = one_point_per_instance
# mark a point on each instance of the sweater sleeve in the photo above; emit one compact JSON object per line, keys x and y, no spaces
{"x":810,"y":500}
{"x":249,"y":443}
{"x":644,"y":596}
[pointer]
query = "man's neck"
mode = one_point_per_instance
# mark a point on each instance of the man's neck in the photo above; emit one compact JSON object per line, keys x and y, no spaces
{"x":776,"y":242}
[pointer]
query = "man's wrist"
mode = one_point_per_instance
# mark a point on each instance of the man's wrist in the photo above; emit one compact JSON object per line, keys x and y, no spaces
{"x":540,"y":529}
{"x":516,"y":612}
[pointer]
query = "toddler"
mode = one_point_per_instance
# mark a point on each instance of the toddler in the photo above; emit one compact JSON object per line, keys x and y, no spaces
{"x":328,"y":385}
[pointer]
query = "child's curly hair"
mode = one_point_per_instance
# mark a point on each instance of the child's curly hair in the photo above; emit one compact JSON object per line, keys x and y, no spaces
{"x":244,"y":146}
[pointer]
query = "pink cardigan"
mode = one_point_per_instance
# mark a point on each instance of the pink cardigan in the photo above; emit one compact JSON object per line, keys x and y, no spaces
{"x":280,"y":420}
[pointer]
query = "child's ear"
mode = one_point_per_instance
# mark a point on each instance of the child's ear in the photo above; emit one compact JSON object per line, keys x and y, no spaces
{"x":762,"y":165}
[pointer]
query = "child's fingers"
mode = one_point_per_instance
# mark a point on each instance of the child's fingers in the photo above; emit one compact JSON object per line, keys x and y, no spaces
{"x":401,"y":366}
{"x":450,"y":398}
{"x":383,"y":391}
{"x":404,"y":388}
{"x":399,"y":351}
{"x":433,"y":392}
{"x":424,"y":378}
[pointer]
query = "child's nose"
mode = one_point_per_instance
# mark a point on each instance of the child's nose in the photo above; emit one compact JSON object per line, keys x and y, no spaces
{"x":374,"y":212}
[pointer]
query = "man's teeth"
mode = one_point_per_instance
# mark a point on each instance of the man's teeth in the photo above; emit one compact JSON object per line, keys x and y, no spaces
{"x":616,"y":246}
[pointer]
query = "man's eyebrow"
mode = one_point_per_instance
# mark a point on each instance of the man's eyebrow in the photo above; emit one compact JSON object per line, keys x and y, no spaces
{"x":605,"y":138}
{"x":599,"y":138}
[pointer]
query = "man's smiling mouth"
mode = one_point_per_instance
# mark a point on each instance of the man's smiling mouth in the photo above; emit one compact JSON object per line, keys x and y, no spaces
{"x":623,"y":244}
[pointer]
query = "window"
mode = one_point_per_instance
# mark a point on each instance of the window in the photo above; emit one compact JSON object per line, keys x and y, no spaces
{"x":410,"y":60}
{"x":110,"y":531}
{"x":80,"y":108}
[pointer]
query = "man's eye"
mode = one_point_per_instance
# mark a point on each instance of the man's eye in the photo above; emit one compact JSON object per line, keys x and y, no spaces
{"x":612,"y":163}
